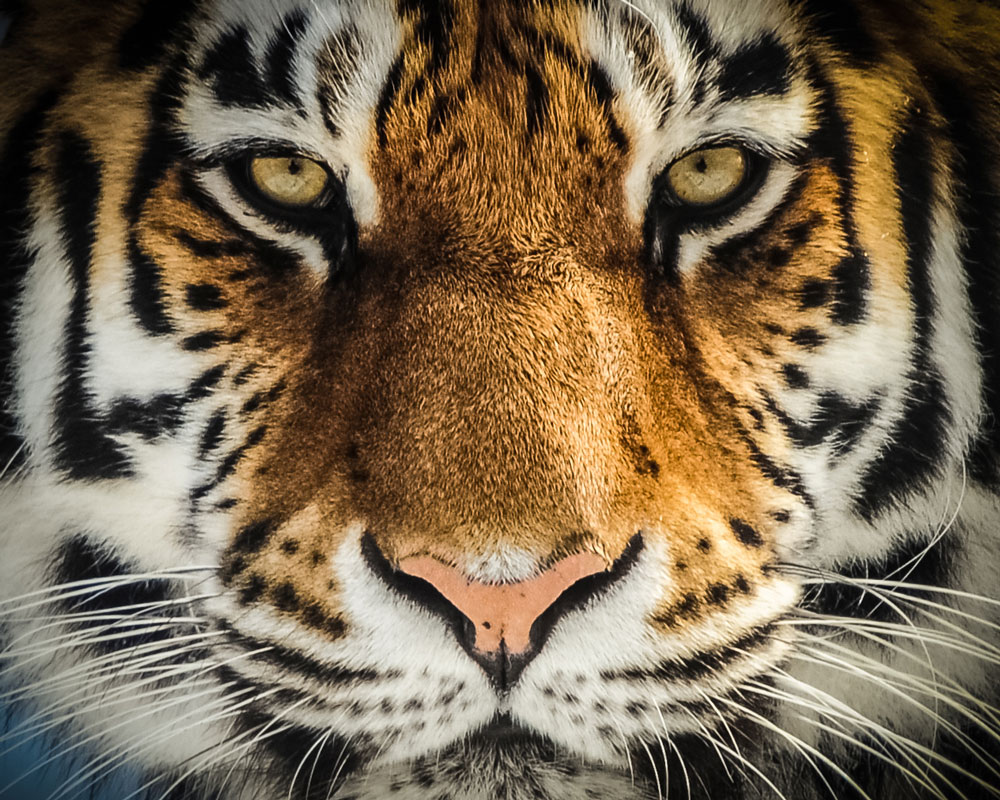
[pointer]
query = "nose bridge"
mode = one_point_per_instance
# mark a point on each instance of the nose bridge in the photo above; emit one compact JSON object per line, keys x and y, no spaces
{"x":499,"y":418}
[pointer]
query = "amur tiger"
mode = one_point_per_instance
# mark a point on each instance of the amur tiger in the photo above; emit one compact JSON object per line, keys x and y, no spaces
{"x":459,"y":400}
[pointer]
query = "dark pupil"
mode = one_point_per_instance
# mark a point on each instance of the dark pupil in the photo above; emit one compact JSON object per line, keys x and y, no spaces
{"x":701,"y":165}
{"x":294,"y":166}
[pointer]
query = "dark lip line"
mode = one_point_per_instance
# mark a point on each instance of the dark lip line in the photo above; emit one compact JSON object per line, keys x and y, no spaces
{"x":295,"y":662}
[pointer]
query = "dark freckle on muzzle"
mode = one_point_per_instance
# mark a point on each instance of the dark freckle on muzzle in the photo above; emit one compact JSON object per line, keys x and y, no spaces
{"x":745,"y":533}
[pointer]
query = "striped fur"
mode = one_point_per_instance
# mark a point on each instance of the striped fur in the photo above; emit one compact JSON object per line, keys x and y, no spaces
{"x":500,"y":342}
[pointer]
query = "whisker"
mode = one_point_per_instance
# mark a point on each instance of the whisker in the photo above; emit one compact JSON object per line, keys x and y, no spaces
{"x":295,"y":776}
{"x":832,"y":706}
{"x":81,"y":587}
{"x":684,"y":769}
{"x":258,"y":735}
{"x":342,"y":760}
{"x":64,"y":751}
{"x":312,"y":772}
{"x":168,"y":731}
{"x":911,"y":680}
{"x":900,"y":744}
{"x":802,"y":747}
{"x":41,"y":722}
{"x":894,"y":689}
{"x":97,"y":666}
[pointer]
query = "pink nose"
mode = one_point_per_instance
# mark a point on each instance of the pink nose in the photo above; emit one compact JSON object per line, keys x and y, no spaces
{"x":503,"y":612}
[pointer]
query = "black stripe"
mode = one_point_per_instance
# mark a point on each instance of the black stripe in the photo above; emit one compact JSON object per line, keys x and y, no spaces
{"x":916,"y":441}
{"x":207,"y":248}
{"x":280,"y":58}
{"x":536,"y":100}
{"x":253,"y":536}
{"x":835,"y":420}
{"x":693,"y":768}
{"x":204,"y":383}
{"x":840,"y":23}
{"x":703,"y":46}
{"x":979,"y":214}
{"x":697,"y":32}
{"x":294,"y":747}
{"x":83,"y":449}
{"x":287,"y":660}
{"x":147,"y":298}
{"x":703,"y":665}
{"x":743,"y":253}
{"x":230,"y":462}
{"x":833,"y":141}
{"x":145,"y":41}
{"x":273,"y":261}
{"x":80,"y":558}
{"x":851,"y":280}
{"x":390,"y":90}
{"x":433,"y":29}
{"x":206,"y":340}
{"x":211,"y":437}
{"x":782,"y":477}
{"x":245,"y":374}
{"x":795,"y":376}
{"x":444,"y":106}
{"x":204,"y":297}
{"x":808,"y":338}
{"x":813,"y":293}
{"x":233,"y":73}
{"x":907,"y":562}
{"x":600,"y":84}
{"x":17,"y":172}
{"x":760,"y":67}
{"x":746,"y":533}
{"x":149,"y":419}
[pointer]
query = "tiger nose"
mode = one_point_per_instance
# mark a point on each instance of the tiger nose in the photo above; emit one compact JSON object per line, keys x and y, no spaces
{"x":502,"y":626}
{"x":497,"y":629}
{"x":502,"y":614}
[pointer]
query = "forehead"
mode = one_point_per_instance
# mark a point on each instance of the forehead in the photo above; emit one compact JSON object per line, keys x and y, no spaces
{"x":325,"y":76}
{"x":710,"y":30}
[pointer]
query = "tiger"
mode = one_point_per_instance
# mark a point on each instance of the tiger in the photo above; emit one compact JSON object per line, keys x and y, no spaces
{"x":561,"y":399}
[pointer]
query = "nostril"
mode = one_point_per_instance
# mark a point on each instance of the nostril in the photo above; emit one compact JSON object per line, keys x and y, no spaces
{"x":503,"y":613}
{"x":501,"y":626}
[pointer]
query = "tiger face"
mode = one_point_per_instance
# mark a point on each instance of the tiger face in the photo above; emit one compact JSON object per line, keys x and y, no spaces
{"x":501,"y":399}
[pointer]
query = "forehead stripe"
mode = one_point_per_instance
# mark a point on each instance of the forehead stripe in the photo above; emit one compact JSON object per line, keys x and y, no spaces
{"x":230,"y":67}
{"x":762,"y":67}
{"x":147,"y":299}
{"x":280,"y":58}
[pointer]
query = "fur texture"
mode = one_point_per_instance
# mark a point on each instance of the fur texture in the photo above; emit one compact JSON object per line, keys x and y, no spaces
{"x":499,"y":341}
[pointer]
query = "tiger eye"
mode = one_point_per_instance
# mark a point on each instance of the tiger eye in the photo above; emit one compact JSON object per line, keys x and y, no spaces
{"x":709,"y":176}
{"x":293,"y":181}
